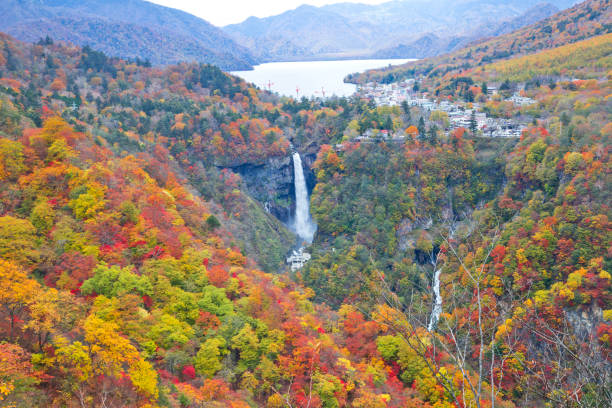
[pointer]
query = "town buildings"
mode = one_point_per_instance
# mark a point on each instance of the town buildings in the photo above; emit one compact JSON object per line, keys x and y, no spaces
{"x":458,"y":114}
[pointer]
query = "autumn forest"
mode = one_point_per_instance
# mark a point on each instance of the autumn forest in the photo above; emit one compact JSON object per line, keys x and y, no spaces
{"x":142,"y":264}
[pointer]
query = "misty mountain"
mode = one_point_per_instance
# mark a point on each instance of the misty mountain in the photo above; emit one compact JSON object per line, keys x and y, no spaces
{"x":400,"y":28}
{"x":430,"y":44}
{"x":302,"y":32}
{"x":126,"y":28}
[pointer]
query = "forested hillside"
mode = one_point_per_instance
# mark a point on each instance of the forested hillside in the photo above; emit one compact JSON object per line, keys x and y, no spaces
{"x":141,"y":263}
{"x":121,"y":285}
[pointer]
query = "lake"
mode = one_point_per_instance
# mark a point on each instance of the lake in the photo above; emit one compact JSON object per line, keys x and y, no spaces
{"x":312,"y":78}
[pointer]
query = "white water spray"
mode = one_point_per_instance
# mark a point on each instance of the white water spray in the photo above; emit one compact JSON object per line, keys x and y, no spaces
{"x":304,"y":226}
{"x":437,"y":308}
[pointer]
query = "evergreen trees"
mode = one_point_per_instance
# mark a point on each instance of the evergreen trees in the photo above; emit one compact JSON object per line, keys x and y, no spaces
{"x":473,"y":122}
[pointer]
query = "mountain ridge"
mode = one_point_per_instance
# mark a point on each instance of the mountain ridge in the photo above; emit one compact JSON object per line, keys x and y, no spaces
{"x":361,"y":30}
{"x":163,"y":35}
{"x":430,"y":44}
{"x":584,"y":20}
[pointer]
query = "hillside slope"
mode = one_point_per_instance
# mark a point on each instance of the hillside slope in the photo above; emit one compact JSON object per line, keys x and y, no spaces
{"x":131,"y":28}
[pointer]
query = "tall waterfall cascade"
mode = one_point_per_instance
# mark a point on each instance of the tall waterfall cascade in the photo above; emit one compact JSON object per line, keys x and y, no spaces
{"x":303,"y":224}
{"x":437,"y":308}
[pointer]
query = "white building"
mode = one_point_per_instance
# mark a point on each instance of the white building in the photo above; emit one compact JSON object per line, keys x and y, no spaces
{"x":519,"y":100}
{"x":298,"y":259}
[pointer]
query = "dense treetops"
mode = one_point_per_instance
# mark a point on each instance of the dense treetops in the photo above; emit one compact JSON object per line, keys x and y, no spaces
{"x":374,"y":200}
{"x":592,"y":56}
{"x":117,"y":290}
{"x":123,"y":288}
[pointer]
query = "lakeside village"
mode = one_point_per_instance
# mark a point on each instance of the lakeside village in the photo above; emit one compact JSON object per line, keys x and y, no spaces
{"x":459,"y":116}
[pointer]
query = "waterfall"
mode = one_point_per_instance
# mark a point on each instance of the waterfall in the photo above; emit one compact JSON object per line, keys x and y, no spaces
{"x":303,"y":224}
{"x":437,"y":308}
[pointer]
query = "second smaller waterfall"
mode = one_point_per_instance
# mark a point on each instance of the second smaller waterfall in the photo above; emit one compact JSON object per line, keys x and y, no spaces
{"x":437,"y":308}
{"x":303,"y":224}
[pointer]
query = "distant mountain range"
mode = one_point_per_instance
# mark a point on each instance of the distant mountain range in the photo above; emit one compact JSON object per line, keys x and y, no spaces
{"x":125,"y":28}
{"x":431,"y":44}
{"x":396,"y":29}
{"x":585,"y":20}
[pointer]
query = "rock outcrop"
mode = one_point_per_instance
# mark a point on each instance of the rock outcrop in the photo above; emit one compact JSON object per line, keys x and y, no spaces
{"x":272,"y":185}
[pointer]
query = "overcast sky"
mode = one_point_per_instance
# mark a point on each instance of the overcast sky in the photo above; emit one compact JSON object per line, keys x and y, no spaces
{"x":223,"y":12}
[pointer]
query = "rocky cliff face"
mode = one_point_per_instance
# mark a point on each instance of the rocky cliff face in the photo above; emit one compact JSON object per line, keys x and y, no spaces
{"x":308,"y":158}
{"x":272,"y":183}
{"x":585,"y":321}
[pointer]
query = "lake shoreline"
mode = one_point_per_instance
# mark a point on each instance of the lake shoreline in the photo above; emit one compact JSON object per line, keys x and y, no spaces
{"x":311,"y":79}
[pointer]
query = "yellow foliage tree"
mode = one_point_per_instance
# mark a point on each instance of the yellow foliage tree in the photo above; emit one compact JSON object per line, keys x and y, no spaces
{"x":16,"y":291}
{"x":18,"y":241}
